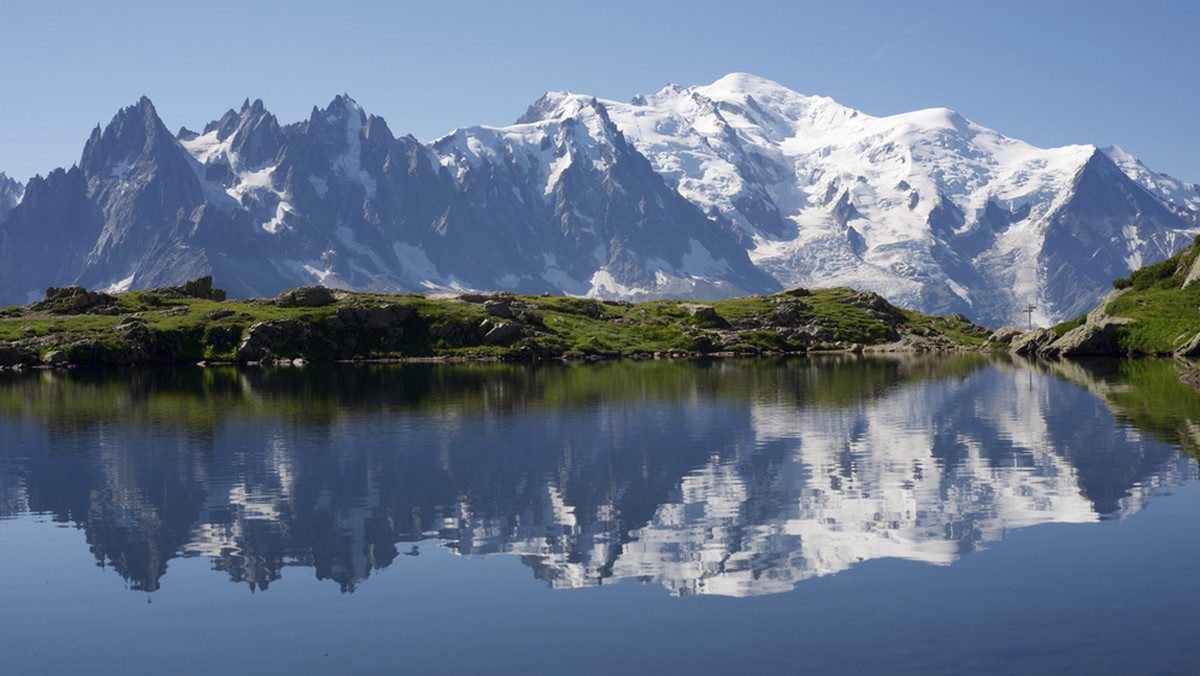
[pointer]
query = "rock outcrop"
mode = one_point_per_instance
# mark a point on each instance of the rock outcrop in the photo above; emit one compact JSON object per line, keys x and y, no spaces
{"x":75,"y":300}
{"x":1095,"y":337}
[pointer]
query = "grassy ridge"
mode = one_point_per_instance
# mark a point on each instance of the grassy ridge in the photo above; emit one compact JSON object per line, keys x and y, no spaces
{"x":1164,"y":311}
{"x":153,"y":327}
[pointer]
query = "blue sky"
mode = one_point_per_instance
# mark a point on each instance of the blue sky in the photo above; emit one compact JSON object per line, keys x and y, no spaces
{"x":1051,"y":72}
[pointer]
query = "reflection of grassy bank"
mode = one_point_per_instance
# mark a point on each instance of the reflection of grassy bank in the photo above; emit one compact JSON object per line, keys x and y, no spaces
{"x":1145,"y":394}
{"x":200,"y":399}
{"x":1157,"y":402}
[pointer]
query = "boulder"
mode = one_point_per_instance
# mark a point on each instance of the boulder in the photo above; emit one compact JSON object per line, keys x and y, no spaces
{"x":530,"y":317}
{"x":1031,"y":342}
{"x":1006,"y":335}
{"x":11,"y":355}
{"x":269,"y":337}
{"x":1190,"y":348}
{"x":305,"y":296}
{"x":877,"y":307}
{"x":202,"y":288}
{"x":221,"y":338}
{"x":792,"y":313}
{"x":1088,"y":339}
{"x":498,"y":308}
{"x":699,"y":310}
{"x":796,"y":292}
{"x":498,"y":332}
{"x":1101,"y":311}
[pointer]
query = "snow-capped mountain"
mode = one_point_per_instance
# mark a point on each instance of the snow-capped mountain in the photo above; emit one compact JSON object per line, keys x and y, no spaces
{"x":601,"y":221}
{"x":568,"y":207}
{"x":927,"y":208}
{"x":729,"y":189}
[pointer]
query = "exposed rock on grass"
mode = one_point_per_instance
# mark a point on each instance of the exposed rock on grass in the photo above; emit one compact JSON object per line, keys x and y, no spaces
{"x":188,"y":324}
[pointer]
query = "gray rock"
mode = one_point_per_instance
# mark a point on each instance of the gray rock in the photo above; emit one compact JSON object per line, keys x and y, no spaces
{"x":699,"y":310}
{"x":498,"y":332}
{"x":10,"y":355}
{"x":305,"y":296}
{"x":1088,"y":339}
{"x":792,"y":312}
{"x":877,"y":307}
{"x":449,"y":330}
{"x":530,"y":317}
{"x":202,"y":288}
{"x":264,"y":338}
{"x":1190,"y":348}
{"x":74,"y":300}
{"x":1031,"y":342}
{"x":1101,"y":310}
{"x":55,"y":358}
{"x":1006,"y":335}
{"x":796,"y":292}
{"x":498,"y":308}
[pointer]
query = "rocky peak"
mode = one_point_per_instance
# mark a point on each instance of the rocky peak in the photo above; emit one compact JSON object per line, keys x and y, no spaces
{"x":10,"y":194}
{"x":135,"y":133}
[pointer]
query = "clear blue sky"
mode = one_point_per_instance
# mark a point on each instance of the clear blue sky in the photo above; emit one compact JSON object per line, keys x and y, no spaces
{"x":1051,"y":72}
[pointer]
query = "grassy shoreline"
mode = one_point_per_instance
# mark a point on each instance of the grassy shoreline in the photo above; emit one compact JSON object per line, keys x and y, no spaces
{"x":195,"y":323}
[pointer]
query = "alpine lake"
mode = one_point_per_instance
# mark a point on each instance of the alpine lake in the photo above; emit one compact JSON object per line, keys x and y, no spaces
{"x":929,"y":514}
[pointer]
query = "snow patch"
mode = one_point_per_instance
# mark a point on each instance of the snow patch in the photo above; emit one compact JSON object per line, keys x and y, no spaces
{"x":346,"y":236}
{"x":416,"y":267}
{"x":557,"y":167}
{"x":960,"y":291}
{"x":121,"y":286}
{"x":562,"y":281}
{"x":699,"y":262}
{"x":603,"y":285}
{"x":276,"y":223}
{"x":306,"y":271}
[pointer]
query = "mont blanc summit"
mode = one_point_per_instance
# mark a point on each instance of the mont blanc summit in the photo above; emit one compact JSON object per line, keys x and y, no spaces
{"x":927,"y":208}
{"x":734,"y":188}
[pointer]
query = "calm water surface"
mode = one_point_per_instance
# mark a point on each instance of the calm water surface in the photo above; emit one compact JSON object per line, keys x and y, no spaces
{"x":833,"y":515}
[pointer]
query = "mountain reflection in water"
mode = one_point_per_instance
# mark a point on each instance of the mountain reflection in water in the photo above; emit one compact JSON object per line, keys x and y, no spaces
{"x":729,"y":477}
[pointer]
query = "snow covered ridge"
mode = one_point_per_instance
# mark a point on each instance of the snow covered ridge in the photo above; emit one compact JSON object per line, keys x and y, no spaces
{"x":738,"y":187}
{"x":927,"y":208}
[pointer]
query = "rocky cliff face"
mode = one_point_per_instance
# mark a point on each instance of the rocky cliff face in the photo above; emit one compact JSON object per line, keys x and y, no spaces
{"x":10,"y":194}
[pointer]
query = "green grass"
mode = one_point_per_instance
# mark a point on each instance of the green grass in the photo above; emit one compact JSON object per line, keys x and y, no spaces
{"x":1064,"y":327}
{"x":551,"y":327}
{"x":1161,"y":316}
{"x":1167,"y":274}
{"x":953,"y":330}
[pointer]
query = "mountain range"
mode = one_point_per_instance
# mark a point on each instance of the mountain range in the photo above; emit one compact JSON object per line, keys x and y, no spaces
{"x":735,"y":188}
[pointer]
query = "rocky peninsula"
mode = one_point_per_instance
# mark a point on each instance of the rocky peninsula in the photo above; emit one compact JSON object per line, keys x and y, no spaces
{"x":196,"y":323}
